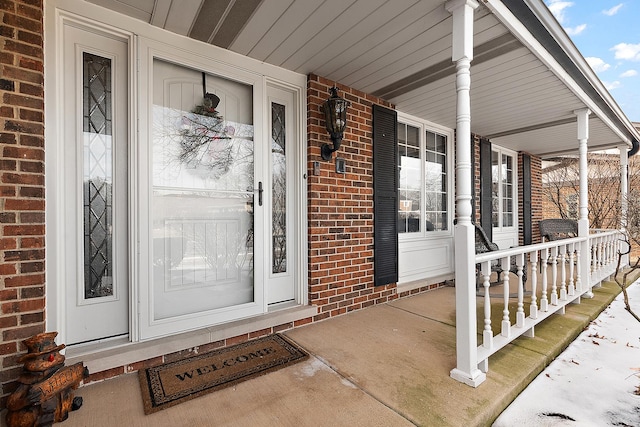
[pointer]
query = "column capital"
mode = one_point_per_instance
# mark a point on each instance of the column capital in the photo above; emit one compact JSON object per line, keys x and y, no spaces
{"x":452,"y":5}
{"x":462,"y":40}
{"x":582,"y":111}
{"x":583,"y":123}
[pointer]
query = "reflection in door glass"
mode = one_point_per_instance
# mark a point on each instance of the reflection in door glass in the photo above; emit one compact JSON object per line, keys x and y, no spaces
{"x":97,"y":176}
{"x":202,"y":203}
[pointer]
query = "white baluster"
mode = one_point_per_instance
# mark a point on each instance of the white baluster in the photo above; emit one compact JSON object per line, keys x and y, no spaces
{"x":572,"y":286}
{"x":487,"y":333}
{"x":506,"y":324}
{"x":563,"y":273}
{"x":554,"y":275}
{"x":579,"y":284}
{"x":520,"y":311}
{"x":594,"y":258}
{"x":533,"y":308}
{"x":544,"y":303}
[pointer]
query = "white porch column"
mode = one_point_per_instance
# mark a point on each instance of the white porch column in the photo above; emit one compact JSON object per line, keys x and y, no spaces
{"x":583,"y":213}
{"x":466,"y":370}
{"x":624,"y":189}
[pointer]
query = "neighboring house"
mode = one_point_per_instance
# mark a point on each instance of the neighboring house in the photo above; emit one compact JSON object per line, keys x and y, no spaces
{"x":561,"y":187}
{"x":138,"y":229}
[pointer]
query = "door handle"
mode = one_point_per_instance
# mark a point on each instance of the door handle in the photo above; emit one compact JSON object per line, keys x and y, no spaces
{"x":260,"y":193}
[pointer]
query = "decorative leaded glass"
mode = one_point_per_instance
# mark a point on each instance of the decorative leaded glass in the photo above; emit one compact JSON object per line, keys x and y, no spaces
{"x":279,"y":190}
{"x":97,"y":176}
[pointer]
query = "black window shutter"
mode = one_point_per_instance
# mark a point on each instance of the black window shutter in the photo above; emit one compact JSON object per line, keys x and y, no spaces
{"x":385,"y":195}
{"x":527,"y":230}
{"x":486,"y":199}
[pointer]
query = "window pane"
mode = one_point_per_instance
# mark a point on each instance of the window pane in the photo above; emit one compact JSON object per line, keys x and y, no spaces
{"x":441,"y":144}
{"x":402,"y":133}
{"x":409,"y":179}
{"x":436,"y":181}
{"x":507,"y":220}
{"x":413,"y":136}
{"x":97,"y":176}
{"x":431,"y":141}
{"x":495,"y":189}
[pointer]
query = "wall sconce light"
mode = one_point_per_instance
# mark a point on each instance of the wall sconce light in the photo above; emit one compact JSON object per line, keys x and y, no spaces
{"x":335,"y":117}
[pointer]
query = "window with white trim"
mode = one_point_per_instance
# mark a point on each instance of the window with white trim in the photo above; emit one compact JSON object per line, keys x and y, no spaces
{"x":504,"y":196}
{"x":423,"y":172}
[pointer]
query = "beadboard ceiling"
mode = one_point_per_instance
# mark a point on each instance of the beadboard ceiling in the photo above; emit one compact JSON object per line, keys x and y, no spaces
{"x":399,"y":50}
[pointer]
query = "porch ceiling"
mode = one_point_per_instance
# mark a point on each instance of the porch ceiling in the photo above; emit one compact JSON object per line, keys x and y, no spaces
{"x":400,"y":50}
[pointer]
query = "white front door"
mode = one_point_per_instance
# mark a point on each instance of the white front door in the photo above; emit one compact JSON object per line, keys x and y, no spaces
{"x":94,"y":190}
{"x":207,"y":197}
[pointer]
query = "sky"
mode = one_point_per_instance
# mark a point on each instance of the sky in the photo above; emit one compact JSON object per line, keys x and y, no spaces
{"x":607,"y":33}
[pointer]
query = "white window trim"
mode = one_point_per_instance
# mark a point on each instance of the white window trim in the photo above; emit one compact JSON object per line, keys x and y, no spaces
{"x":437,"y":246}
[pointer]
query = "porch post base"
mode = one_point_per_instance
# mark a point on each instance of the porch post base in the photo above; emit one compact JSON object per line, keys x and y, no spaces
{"x":474,"y":379}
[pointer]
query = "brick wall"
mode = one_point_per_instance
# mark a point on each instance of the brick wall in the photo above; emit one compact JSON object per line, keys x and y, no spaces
{"x":341,"y":207}
{"x":21,"y":182}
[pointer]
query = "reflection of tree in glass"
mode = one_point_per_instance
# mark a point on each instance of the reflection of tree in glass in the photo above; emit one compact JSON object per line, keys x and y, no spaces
{"x":279,"y":222}
{"x":206,"y":140}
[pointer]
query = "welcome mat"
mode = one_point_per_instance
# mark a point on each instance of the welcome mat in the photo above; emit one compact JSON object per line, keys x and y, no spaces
{"x":176,"y":382}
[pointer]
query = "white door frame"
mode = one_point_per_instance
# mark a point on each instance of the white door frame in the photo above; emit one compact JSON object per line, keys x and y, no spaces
{"x":56,"y":271}
{"x":150,"y":325}
{"x":507,"y":237}
{"x":76,"y":12}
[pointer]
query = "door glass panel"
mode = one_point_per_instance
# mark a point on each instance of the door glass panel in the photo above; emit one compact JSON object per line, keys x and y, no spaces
{"x":202,"y":202}
{"x":279,"y":189}
{"x":97,"y":176}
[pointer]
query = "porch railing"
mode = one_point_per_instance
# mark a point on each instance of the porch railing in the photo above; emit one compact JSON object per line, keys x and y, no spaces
{"x":559,"y":273}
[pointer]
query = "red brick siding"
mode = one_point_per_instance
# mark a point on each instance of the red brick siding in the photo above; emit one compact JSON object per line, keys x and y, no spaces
{"x":341,"y":207}
{"x":22,"y":294}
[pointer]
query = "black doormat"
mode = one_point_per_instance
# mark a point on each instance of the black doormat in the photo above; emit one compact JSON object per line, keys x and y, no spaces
{"x":176,"y":382}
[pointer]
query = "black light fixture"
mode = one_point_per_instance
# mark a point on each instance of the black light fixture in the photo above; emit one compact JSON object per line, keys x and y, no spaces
{"x":335,"y":116}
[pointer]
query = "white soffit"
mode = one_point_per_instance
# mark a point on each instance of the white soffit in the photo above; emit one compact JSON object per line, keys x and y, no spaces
{"x":400,"y":50}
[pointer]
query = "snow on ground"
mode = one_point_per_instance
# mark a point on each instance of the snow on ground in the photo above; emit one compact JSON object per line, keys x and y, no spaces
{"x":592,"y":383}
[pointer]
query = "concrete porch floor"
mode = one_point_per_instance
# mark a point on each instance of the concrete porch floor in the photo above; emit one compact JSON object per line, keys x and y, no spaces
{"x":386,"y":365}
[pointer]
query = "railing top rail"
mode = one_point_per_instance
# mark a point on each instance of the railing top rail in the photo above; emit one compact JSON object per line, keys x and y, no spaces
{"x":489,"y":256}
{"x":603,"y":233}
